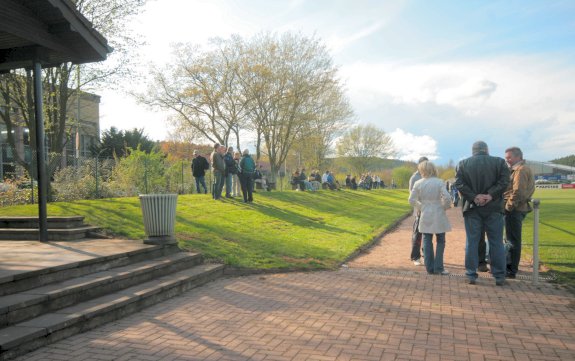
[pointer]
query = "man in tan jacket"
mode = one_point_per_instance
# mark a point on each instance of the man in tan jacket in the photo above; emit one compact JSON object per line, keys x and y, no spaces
{"x":517,"y":197}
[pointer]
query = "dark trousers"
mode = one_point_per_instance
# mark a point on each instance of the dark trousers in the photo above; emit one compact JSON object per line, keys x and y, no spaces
{"x":247,"y":182}
{"x":218,"y":185}
{"x":513,"y":226}
{"x":415,"y":241}
{"x":201,"y":181}
{"x":491,"y":223}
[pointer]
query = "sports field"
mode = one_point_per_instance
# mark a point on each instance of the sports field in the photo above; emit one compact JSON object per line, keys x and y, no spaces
{"x":556,"y":232}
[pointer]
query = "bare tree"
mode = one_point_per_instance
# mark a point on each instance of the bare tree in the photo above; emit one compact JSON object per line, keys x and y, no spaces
{"x":290,"y":83}
{"x":278,"y":88}
{"x":361,"y":144}
{"x":202,"y":91}
{"x":333,"y":112}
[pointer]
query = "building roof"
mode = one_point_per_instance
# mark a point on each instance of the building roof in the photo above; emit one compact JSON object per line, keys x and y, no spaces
{"x":52,"y":30}
{"x":548,"y":167}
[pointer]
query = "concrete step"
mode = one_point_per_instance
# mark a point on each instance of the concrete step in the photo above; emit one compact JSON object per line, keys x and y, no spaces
{"x":29,"y":335}
{"x":15,"y":283}
{"x":25,"y":305}
{"x":32,"y":222}
{"x":54,"y":234}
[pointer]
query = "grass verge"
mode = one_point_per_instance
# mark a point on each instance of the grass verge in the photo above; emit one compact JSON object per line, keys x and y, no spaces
{"x":556,"y":233}
{"x":280,"y":230}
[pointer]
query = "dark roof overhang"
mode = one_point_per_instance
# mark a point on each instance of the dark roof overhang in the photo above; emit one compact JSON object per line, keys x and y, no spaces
{"x":51,"y":31}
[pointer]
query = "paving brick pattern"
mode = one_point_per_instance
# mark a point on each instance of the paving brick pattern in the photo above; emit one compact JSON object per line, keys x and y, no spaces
{"x":380,"y":307}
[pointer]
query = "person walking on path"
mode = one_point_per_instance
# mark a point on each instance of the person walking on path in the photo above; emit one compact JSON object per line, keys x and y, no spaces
{"x":517,"y":196}
{"x":199,"y":167}
{"x":416,"y":236}
{"x":430,"y":198}
{"x":247,"y":169}
{"x":481,"y":180}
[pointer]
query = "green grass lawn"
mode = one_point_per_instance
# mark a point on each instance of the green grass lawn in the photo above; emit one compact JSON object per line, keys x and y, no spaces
{"x":304,"y":230}
{"x":283,"y":230}
{"x":556,"y":232}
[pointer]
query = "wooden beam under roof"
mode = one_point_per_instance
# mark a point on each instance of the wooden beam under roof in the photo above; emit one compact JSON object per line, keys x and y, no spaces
{"x":82,"y":26}
{"x":18,"y":20}
{"x":51,"y":31}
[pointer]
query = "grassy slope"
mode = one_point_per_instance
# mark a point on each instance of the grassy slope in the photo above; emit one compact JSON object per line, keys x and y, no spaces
{"x":280,"y":230}
{"x":306,"y":230}
{"x":556,"y":232}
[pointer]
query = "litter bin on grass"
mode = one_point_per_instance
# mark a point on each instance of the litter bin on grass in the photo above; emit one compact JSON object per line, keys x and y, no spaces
{"x":159,"y":212}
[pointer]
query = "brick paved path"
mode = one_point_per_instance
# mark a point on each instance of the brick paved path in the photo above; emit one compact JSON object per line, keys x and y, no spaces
{"x":378,"y":308}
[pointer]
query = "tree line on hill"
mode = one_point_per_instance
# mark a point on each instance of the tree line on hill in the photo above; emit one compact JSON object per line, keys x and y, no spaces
{"x":568,"y":160}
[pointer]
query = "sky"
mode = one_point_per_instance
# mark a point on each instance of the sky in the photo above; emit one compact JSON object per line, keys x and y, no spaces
{"x":435,"y":75}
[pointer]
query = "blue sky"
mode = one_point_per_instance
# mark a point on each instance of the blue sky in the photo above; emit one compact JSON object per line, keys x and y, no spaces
{"x":435,"y":75}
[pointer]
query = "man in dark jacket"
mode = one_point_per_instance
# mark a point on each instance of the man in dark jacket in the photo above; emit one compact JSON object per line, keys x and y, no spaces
{"x":199,"y":167}
{"x":481,"y":180}
{"x":247,"y":169}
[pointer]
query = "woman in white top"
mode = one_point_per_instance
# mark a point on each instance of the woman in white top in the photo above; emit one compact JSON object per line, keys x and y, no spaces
{"x":431,"y":198}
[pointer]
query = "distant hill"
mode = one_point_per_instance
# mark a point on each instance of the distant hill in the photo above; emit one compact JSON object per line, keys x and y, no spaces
{"x":568,"y":160}
{"x":376,"y":164}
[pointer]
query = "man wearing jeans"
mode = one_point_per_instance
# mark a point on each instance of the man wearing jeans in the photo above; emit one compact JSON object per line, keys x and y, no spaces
{"x":517,"y":197}
{"x":415,"y":235}
{"x":199,"y":167}
{"x":481,"y":180}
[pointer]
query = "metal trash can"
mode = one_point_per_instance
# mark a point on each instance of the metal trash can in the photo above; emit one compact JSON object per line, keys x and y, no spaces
{"x":159,"y":212}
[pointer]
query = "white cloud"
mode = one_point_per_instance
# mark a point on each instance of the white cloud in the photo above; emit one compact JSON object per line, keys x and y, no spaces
{"x":193,"y":22}
{"x":121,"y":111}
{"x":526,"y":100}
{"x":294,"y":4}
{"x":523,"y":101}
{"x":337,"y":43}
{"x":411,"y":147}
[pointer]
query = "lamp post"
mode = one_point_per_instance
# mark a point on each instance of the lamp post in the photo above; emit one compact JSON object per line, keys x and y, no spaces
{"x":536,"y":203}
{"x":40,"y":153}
{"x":97,"y":168}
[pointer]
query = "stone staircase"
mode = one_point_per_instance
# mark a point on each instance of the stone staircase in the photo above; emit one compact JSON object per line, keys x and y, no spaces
{"x":42,"y":306}
{"x":59,"y":228}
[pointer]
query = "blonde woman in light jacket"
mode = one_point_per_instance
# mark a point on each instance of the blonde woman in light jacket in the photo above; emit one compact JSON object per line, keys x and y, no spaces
{"x":430,"y":197}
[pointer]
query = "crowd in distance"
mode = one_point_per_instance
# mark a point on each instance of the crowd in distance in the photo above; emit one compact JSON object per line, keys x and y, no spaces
{"x":235,"y":174}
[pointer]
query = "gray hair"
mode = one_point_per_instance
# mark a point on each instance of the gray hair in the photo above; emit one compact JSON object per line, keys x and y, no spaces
{"x":479,"y":147}
{"x":515,"y":151}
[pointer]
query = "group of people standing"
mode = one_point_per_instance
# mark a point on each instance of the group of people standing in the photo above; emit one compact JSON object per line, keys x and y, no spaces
{"x":495,"y":195}
{"x":231,"y":169}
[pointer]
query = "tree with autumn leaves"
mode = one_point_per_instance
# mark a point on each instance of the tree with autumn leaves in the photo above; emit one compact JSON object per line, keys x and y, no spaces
{"x":278,"y":91}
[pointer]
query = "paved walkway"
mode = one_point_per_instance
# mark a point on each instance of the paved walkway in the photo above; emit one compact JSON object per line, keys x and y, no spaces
{"x":380,"y":307}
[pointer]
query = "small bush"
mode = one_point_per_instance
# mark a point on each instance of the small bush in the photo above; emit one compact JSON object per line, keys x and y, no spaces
{"x":139,"y":173}
{"x":73,"y":183}
{"x":17,"y":191}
